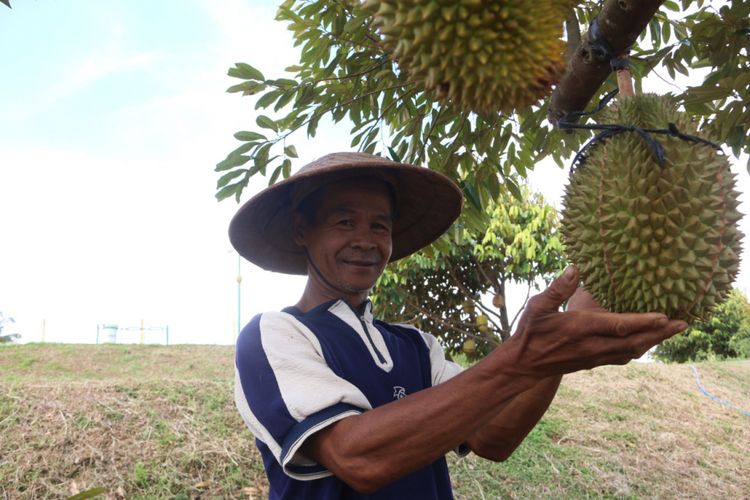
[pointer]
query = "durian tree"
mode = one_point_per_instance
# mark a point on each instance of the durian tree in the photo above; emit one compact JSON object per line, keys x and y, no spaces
{"x":360,"y":65}
{"x":463,"y":87}
{"x":724,"y":335}
{"x":445,"y":289}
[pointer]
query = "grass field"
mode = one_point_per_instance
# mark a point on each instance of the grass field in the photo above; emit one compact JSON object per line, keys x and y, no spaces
{"x":160,"y":422}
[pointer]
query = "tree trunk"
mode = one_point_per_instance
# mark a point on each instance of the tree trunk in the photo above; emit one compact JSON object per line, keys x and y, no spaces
{"x":504,"y":324}
{"x":620,"y":24}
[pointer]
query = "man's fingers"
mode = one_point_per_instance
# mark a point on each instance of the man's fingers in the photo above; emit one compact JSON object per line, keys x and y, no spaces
{"x":625,"y":324}
{"x":670,"y":328}
{"x":637,"y":343}
{"x":556,"y":293}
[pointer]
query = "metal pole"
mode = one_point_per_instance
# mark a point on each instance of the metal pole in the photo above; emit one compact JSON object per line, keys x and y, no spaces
{"x":141,"y":331}
{"x":239,"y":293}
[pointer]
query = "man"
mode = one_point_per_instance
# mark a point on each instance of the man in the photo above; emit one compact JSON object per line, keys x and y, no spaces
{"x":346,"y":406}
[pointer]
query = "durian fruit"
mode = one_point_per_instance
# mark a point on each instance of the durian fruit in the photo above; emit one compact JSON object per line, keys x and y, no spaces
{"x":648,"y":237}
{"x":469,"y":346}
{"x":479,"y":55}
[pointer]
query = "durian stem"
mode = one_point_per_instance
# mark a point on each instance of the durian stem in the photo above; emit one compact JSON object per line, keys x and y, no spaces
{"x":625,"y":82}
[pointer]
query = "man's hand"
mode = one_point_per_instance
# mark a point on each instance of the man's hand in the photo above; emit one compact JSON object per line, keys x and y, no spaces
{"x":548,"y":342}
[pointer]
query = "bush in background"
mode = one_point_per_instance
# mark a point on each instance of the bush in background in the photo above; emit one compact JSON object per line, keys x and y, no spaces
{"x":724,"y":335}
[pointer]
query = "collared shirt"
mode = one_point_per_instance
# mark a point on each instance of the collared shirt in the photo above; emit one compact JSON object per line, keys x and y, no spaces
{"x":297,"y":373}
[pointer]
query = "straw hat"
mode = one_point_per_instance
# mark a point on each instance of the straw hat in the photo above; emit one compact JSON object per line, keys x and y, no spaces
{"x":428,"y":203}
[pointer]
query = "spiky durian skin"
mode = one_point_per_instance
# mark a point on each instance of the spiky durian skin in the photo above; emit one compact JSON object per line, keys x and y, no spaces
{"x":479,"y":55}
{"x":651,"y":238}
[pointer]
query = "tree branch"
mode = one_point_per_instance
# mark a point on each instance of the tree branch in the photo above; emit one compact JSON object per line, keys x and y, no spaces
{"x":573,"y":30}
{"x":467,"y":294}
{"x":330,"y":109}
{"x":383,"y":60}
{"x":450,"y":325}
{"x":620,"y":24}
{"x":429,"y":133}
{"x":384,"y":111}
{"x":523,"y":306}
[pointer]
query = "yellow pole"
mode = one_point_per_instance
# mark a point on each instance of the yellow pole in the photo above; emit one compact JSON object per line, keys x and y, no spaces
{"x":44,"y":328}
{"x":141,"y":332}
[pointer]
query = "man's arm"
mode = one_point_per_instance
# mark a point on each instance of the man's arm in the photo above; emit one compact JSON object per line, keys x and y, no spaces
{"x":370,"y":450}
{"x":500,"y":437}
{"x":503,"y":434}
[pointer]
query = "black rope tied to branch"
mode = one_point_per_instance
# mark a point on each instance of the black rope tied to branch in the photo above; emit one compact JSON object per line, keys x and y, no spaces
{"x":567,"y":122}
{"x":602,"y":52}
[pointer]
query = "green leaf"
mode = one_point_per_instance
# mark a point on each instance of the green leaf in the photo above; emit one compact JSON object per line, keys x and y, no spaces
{"x":249,"y":136}
{"x":283,"y":83}
{"x":275,"y":175}
{"x":305,"y":96}
{"x":291,"y":151}
{"x":471,"y":194}
{"x":513,"y":188}
{"x":93,"y":492}
{"x":224,"y":179}
{"x":312,"y":126}
{"x":244,"y":148}
{"x":697,"y":95}
{"x":247,"y":88}
{"x":265,"y":122}
{"x":227,"y":191}
{"x":261,"y":157}
{"x":233,"y":160}
{"x":266,"y":99}
{"x":285,"y":99}
{"x":245,"y":71}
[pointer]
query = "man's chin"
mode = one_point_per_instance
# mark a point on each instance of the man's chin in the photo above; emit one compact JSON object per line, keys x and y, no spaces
{"x":357,"y":285}
{"x":356,"y":288}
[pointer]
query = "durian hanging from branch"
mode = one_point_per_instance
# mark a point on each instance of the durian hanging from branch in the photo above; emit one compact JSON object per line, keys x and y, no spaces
{"x":650,"y":213}
{"x":478,"y":55}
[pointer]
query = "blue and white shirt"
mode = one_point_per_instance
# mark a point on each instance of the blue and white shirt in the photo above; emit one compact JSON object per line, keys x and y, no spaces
{"x":297,"y":373}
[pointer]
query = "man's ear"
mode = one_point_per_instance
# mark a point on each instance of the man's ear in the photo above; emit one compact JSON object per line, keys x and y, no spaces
{"x":298,"y":228}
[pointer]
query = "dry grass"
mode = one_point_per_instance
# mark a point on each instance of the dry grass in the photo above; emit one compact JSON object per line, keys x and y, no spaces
{"x":43,"y":362}
{"x":654,"y":434}
{"x":159,"y":422}
{"x":141,"y":421}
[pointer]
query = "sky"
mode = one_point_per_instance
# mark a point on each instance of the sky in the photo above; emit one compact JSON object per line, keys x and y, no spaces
{"x":112,"y":118}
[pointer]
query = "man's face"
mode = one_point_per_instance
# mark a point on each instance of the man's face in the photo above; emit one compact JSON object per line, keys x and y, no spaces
{"x":349,"y":237}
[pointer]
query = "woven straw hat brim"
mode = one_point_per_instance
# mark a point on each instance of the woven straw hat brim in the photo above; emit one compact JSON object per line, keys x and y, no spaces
{"x":428,"y":203}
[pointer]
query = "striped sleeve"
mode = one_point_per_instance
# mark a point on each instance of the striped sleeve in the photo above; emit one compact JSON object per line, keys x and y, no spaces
{"x":286,"y":392}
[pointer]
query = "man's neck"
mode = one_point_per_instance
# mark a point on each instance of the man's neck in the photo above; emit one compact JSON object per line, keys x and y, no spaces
{"x":312,"y":297}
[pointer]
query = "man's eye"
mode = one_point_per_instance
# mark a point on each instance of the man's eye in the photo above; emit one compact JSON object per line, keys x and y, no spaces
{"x":345,"y":222}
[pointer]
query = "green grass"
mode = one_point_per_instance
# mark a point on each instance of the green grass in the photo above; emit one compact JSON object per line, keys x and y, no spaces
{"x":539,"y":465}
{"x":160,"y":422}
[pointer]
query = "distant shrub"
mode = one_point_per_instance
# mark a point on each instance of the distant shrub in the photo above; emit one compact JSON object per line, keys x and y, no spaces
{"x":724,"y":335}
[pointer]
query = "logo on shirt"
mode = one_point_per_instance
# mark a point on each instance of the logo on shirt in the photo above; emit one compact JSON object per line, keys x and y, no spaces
{"x":398,"y":392}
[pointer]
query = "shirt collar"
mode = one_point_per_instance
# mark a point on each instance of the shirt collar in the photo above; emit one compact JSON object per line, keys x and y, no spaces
{"x":325,"y":306}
